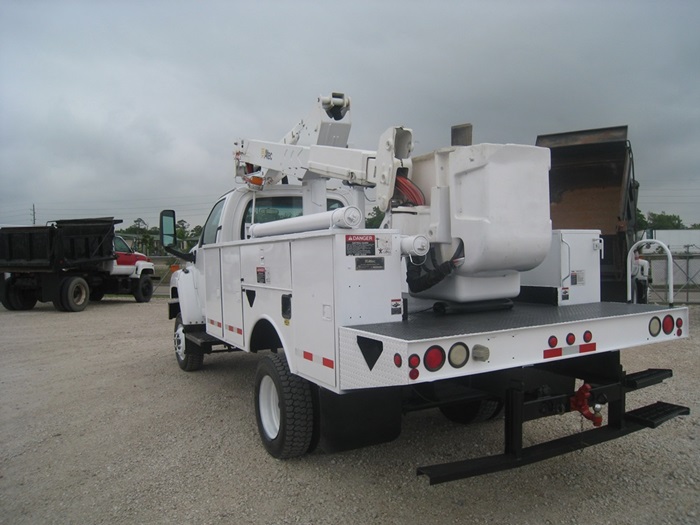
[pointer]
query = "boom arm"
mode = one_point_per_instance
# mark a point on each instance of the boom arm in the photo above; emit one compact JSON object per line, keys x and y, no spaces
{"x":329,"y":157}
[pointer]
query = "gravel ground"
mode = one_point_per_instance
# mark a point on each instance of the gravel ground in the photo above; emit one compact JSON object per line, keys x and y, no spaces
{"x":99,"y":425}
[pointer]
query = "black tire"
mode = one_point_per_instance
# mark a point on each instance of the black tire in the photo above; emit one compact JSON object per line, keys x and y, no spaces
{"x":57,"y":299}
{"x":18,"y":298}
{"x":284,"y":409}
{"x":96,"y":295}
{"x":5,"y":294}
{"x":467,"y":412}
{"x":143,"y":289}
{"x":188,"y":362}
{"x":75,"y":294}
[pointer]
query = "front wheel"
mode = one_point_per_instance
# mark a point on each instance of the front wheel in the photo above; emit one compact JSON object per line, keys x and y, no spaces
{"x":283,"y":409}
{"x":188,"y":362}
{"x":143,"y":289}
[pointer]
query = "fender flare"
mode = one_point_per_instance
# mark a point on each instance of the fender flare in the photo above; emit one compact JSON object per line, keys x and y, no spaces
{"x":254,"y":339}
{"x":144,"y":267}
{"x":187,"y":296}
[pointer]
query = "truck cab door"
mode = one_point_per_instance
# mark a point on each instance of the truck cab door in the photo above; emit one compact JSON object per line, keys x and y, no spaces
{"x":207,"y":270}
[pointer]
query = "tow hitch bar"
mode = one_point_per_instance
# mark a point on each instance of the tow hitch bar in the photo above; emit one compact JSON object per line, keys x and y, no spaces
{"x":579,"y":403}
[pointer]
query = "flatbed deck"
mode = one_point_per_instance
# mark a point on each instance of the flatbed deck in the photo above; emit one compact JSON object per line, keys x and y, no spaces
{"x":425,"y":324}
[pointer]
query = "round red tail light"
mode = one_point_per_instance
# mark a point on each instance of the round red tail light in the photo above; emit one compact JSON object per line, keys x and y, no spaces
{"x":413,"y":361}
{"x":434,"y":358}
{"x":570,"y":339}
{"x":668,"y":324}
{"x":553,"y":342}
{"x":587,"y":336}
{"x":398,"y":361}
{"x":679,"y":323}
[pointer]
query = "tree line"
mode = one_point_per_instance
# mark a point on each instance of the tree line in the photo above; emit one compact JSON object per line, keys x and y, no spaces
{"x":145,"y":239}
{"x":662,"y":221}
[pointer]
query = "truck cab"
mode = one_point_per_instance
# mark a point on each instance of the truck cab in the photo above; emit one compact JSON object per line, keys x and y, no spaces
{"x":229,"y":221}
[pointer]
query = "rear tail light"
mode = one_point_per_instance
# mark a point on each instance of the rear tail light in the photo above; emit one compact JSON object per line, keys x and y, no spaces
{"x":654,"y":326}
{"x":458,"y":355}
{"x":587,"y":336}
{"x":668,"y":324}
{"x":434,"y":358}
{"x":413,"y":361}
{"x":570,"y":339}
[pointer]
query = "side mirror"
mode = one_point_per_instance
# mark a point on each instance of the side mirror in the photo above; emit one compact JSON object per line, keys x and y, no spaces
{"x":168,"y":235}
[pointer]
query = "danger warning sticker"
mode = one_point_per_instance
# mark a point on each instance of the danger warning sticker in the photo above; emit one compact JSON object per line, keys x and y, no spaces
{"x":360,"y":245}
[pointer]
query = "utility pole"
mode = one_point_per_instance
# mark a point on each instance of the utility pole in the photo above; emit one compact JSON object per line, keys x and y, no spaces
{"x":33,"y":214}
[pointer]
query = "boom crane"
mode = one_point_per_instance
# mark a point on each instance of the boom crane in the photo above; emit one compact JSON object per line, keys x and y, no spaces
{"x":315,"y":150}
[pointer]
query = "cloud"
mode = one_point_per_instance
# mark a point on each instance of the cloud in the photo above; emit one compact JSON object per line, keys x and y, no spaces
{"x":127,"y":107}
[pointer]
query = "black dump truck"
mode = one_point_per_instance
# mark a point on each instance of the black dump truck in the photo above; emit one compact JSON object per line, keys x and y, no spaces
{"x":69,"y":262}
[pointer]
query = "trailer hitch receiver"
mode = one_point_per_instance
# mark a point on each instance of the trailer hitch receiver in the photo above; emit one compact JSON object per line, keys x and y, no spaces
{"x":579,"y":403}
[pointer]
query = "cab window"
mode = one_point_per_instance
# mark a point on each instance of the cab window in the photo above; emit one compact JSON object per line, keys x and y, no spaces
{"x":121,"y":246}
{"x":268,"y":209}
{"x":213,"y":224}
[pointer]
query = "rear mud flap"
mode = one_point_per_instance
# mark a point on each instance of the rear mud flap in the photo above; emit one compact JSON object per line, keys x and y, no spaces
{"x":358,"y":419}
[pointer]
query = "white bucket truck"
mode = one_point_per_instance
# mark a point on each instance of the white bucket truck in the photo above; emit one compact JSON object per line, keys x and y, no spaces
{"x":341,"y":312}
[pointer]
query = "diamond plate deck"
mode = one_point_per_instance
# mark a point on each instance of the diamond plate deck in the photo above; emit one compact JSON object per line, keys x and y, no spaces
{"x":429,"y":325}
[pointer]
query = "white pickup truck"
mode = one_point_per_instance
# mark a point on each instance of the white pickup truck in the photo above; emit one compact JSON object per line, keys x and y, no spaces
{"x":359,"y":325}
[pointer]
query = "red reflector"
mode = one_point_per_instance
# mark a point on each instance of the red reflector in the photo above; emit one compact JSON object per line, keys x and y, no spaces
{"x":397,"y":360}
{"x":587,"y":336}
{"x":434,"y":358}
{"x":570,"y":339}
{"x":679,"y":323}
{"x":668,"y":324}
{"x":554,"y":352}
{"x":553,"y":342}
{"x":587,"y":348}
{"x":679,"y":332}
{"x":413,"y":374}
{"x":413,"y":361}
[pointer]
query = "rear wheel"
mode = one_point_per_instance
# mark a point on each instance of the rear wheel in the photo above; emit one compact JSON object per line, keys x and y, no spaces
{"x":4,"y":294}
{"x":143,"y":290}
{"x":188,"y":362}
{"x":18,"y":298}
{"x":58,"y":297}
{"x":75,"y":294}
{"x":283,"y":409}
{"x":474,"y":411}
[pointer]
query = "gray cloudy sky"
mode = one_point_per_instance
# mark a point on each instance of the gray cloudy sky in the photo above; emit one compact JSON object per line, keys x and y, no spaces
{"x":126,"y":107}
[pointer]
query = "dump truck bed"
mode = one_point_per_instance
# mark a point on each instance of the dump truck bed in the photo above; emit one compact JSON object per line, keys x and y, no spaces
{"x":592,"y":186}
{"x":75,"y":243}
